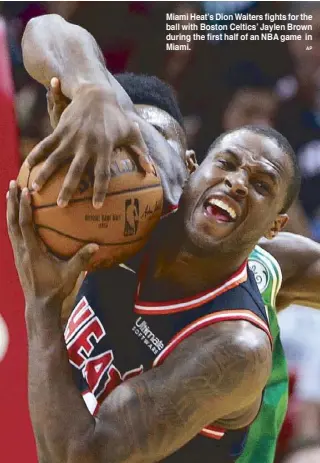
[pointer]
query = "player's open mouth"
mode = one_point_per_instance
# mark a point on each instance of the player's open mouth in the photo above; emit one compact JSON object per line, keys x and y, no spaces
{"x":219,"y":210}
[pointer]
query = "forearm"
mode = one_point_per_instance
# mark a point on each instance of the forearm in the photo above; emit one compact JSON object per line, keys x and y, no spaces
{"x":53,"y":47}
{"x":59,"y":416}
{"x":307,"y":296}
{"x":299,"y":260}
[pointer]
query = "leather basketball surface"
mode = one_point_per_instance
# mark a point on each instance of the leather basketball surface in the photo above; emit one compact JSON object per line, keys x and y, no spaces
{"x":131,"y":210}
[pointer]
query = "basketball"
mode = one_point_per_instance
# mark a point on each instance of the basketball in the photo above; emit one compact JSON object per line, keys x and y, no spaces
{"x":131,"y":210}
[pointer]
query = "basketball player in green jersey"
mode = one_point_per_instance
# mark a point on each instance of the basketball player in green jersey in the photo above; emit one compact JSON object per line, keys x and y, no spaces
{"x":293,"y":277}
{"x":263,"y":434}
{"x":262,"y":438}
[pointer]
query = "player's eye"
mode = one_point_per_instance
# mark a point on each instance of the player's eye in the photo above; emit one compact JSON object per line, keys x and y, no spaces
{"x":262,"y":188}
{"x":160,"y":130}
{"x":226,"y":165}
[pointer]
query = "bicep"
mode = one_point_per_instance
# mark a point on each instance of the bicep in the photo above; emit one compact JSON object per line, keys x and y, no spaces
{"x":202,"y":381}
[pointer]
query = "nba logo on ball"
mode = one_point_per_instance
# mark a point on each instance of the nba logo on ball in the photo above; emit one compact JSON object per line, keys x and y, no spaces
{"x":260,"y":273}
{"x":131,"y":217}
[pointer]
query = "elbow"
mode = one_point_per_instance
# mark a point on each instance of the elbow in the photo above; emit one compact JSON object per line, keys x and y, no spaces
{"x":45,"y":20}
{"x":84,"y":450}
{"x":71,"y":450}
{"x":98,"y":448}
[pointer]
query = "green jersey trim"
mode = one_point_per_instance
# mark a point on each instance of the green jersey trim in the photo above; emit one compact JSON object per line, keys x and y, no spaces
{"x":275,"y":271}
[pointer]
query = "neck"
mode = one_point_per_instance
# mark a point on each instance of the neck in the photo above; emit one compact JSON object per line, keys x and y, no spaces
{"x":177,"y":261}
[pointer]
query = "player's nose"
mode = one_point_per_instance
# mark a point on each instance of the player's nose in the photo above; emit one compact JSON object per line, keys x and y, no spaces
{"x":237,"y":183}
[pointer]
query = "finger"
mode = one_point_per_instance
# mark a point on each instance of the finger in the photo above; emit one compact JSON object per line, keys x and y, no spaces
{"x":55,"y":85}
{"x":41,"y":151}
{"x":26,"y":221}
{"x":80,"y":261}
{"x":145,"y":163}
{"x":50,"y":109}
{"x":54,"y":160}
{"x":13,"y":214}
{"x":49,"y":100}
{"x":56,"y":91}
{"x":101,"y":179}
{"x":72,"y":179}
{"x":140,"y":149}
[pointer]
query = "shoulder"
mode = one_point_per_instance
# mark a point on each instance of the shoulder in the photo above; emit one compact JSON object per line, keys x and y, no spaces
{"x":237,"y":351}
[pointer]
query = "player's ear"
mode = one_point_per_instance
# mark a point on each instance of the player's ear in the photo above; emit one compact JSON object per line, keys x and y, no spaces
{"x":191,"y":161}
{"x":277,"y":226}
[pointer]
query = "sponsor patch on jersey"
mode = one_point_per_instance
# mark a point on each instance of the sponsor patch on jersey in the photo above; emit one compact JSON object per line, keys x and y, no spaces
{"x":260,"y":272}
{"x":143,"y":331}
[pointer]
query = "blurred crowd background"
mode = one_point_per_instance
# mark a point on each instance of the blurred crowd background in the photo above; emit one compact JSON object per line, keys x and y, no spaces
{"x":219,"y":86}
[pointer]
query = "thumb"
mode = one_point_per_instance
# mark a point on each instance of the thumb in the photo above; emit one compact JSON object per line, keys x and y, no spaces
{"x":80,"y":261}
{"x":58,"y":97}
{"x":55,"y":86}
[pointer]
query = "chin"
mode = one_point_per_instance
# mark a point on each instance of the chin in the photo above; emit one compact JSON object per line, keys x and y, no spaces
{"x":199,"y":241}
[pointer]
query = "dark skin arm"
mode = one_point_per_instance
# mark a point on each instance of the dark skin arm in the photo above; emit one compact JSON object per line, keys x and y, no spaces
{"x":216,"y":375}
{"x":299,"y":259}
{"x":51,"y":48}
{"x":99,"y":118}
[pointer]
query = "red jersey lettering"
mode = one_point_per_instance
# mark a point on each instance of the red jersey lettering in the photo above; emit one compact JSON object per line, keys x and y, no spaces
{"x":80,"y":348}
{"x":79,"y":317}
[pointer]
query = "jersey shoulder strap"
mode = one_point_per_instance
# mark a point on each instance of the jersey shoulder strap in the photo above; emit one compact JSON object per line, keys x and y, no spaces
{"x":267,"y":273}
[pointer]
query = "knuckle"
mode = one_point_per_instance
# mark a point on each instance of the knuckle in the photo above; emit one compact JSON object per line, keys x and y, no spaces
{"x":20,"y":250}
{"x":135,"y":129}
{"x":53,"y":161}
{"x":25,"y":259}
{"x":92,"y":137}
{"x":83,"y":257}
{"x":62,"y":131}
{"x":58,"y":156}
{"x":52,"y":158}
{"x":42,"y":176}
{"x":66,"y":191}
{"x":32,"y":156}
{"x":100,"y":190}
{"x":101,"y":178}
{"x":47,"y":142}
{"x":23,"y":221}
{"x":12,"y":228}
{"x":76,"y":169}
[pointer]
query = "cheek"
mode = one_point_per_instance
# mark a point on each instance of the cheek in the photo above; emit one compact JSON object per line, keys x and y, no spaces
{"x":263,"y":213}
{"x":206,"y":177}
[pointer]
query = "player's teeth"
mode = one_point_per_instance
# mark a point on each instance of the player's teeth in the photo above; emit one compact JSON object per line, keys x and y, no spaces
{"x":224,"y":206}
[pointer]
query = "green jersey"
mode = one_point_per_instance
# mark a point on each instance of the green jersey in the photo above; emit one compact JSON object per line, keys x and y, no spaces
{"x":263,"y":433}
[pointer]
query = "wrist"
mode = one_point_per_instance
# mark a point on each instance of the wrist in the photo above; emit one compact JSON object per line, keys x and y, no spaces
{"x":95,"y":90}
{"x":48,"y":309}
